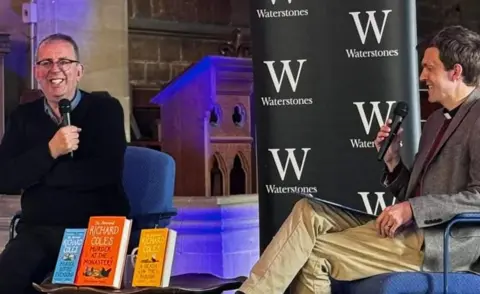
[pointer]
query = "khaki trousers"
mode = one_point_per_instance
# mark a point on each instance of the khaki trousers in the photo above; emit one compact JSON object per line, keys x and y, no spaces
{"x":318,"y":240}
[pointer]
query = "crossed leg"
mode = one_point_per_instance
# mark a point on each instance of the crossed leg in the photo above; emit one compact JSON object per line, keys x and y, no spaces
{"x":318,"y":241}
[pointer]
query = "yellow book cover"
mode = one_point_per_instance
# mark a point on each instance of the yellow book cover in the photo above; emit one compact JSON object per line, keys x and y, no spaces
{"x":153,"y":265}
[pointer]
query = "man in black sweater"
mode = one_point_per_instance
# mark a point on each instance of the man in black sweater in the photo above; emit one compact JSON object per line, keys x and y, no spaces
{"x":59,"y":190}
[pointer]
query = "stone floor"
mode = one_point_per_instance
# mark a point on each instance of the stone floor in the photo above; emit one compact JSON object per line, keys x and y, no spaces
{"x":9,"y":205}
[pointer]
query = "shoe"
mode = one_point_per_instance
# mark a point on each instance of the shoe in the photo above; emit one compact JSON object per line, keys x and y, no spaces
{"x":239,"y":292}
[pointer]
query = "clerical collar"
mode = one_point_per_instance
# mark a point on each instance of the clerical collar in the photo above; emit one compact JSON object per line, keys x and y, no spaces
{"x":450,"y":114}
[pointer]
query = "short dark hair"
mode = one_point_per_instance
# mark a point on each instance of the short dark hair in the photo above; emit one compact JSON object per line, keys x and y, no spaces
{"x":459,"y":45}
{"x":62,"y":37}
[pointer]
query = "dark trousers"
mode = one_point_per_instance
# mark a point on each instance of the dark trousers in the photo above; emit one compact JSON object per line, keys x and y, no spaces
{"x":29,"y":257}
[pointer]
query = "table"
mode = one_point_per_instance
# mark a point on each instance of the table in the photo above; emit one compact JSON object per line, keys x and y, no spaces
{"x":187,"y":283}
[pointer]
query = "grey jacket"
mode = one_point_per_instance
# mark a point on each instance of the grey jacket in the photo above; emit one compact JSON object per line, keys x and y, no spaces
{"x":450,"y":185}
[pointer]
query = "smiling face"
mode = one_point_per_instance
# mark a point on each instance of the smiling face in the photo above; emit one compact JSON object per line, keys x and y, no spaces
{"x":441,"y":83}
{"x":57,"y":70}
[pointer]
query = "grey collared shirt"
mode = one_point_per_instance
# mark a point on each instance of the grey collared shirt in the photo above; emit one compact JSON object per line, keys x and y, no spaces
{"x":74,"y":103}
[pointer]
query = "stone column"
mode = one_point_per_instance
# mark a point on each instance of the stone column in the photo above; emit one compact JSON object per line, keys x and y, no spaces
{"x":4,"y":49}
{"x":101,"y":30}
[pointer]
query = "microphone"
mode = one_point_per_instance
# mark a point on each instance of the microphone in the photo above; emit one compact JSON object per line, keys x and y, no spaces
{"x":65,"y":109}
{"x":399,"y":113}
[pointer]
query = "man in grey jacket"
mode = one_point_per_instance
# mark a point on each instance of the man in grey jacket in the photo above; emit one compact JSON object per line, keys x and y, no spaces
{"x":317,"y":240}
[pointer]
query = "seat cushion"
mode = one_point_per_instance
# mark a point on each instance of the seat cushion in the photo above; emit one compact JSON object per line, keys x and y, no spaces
{"x":411,"y":283}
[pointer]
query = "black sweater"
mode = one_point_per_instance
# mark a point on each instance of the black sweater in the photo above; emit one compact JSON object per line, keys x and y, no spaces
{"x":66,"y":191}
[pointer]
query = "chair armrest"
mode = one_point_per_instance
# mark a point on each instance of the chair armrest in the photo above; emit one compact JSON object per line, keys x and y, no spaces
{"x":469,"y":217}
{"x":13,"y":223}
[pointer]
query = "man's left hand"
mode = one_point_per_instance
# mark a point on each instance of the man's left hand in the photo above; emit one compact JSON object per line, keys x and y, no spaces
{"x":392,"y":218}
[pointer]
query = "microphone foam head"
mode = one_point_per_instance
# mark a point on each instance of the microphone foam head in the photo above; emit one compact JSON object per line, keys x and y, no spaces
{"x":401,"y":109}
{"x":64,"y":106}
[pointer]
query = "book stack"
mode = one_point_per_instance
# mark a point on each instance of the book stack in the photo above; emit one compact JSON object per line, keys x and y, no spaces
{"x":96,"y":256}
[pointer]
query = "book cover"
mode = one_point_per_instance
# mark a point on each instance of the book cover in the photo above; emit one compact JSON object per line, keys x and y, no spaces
{"x":154,"y":260}
{"x":103,"y":257}
{"x":69,"y":256}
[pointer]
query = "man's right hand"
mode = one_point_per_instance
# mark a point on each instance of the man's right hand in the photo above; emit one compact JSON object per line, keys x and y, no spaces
{"x":392,"y":156}
{"x":64,"y":141}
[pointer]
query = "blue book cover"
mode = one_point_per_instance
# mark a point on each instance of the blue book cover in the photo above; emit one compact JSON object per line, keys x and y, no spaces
{"x":69,"y":256}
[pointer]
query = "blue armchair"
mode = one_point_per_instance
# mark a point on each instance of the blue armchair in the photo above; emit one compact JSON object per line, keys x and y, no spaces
{"x":149,"y":180}
{"x":422,"y":282}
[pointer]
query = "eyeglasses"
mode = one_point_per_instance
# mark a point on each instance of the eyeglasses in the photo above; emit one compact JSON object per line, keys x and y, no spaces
{"x":63,"y":64}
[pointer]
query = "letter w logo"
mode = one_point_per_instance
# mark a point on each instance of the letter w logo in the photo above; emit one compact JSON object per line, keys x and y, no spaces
{"x":376,"y":112}
{"x":285,"y":70}
{"x":289,"y":2}
{"x":362,"y":33}
{"x":291,"y":160}
{"x":379,"y":204}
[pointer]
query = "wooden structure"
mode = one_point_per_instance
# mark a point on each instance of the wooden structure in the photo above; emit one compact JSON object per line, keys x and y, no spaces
{"x":206,"y":125}
{"x":30,"y":95}
{"x":4,"y":50}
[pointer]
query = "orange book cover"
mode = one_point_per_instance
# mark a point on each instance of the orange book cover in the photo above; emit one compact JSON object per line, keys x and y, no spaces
{"x":105,"y":249}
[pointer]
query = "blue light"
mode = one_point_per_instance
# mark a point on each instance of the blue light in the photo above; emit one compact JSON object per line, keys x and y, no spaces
{"x":211,"y":64}
{"x":222,"y":241}
{"x":183,"y":79}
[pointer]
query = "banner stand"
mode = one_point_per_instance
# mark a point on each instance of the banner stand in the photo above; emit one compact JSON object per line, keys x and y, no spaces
{"x":327,"y":75}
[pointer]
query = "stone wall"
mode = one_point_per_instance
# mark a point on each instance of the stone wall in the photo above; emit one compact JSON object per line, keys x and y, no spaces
{"x":434,"y":14}
{"x":17,"y":62}
{"x":158,"y":52}
{"x":167,"y":36}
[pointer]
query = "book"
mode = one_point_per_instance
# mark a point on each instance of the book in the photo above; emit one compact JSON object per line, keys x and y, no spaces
{"x":318,"y":199}
{"x":154,"y":260}
{"x":104,"y":252}
{"x":68,"y":257}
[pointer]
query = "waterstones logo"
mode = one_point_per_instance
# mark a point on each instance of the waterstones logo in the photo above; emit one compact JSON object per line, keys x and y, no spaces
{"x":365,"y":29}
{"x":282,"y":76}
{"x":282,"y":12}
{"x":378,"y":112}
{"x":378,"y":198}
{"x":289,"y":161}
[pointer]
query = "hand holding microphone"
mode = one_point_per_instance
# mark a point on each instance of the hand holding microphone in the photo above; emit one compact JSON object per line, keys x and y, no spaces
{"x":389,"y":137}
{"x":66,"y":139}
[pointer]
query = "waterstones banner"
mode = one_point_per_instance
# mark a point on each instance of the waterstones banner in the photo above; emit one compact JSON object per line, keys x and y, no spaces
{"x":327,"y":74}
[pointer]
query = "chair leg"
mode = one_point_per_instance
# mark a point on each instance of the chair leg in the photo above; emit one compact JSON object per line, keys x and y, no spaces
{"x":446,"y":259}
{"x":446,"y":252}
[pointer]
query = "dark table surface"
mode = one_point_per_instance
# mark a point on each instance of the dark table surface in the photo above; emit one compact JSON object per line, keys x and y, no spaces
{"x":187,"y":283}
